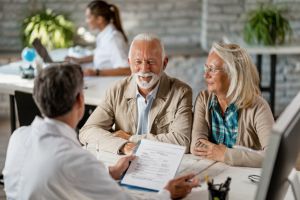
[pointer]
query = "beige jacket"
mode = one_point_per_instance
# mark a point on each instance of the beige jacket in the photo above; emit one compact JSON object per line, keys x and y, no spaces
{"x":254,"y":128}
{"x":170,"y":117}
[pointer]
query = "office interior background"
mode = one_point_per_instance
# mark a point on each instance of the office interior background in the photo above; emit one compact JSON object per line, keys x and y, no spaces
{"x":187,"y":28}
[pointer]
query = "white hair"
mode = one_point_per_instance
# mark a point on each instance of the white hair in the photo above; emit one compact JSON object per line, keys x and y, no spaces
{"x":148,"y":37}
{"x":243,"y":75}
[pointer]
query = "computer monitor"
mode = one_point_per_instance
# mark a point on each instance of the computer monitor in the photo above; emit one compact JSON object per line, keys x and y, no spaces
{"x":281,"y":155}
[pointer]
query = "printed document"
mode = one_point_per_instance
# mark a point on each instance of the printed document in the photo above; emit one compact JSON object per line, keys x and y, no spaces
{"x":155,"y":165}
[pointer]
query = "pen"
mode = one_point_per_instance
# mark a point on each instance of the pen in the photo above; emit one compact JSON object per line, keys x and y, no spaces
{"x":209,"y":183}
{"x":207,"y":180}
{"x":227,"y":183}
{"x":221,"y":186}
{"x":190,"y":180}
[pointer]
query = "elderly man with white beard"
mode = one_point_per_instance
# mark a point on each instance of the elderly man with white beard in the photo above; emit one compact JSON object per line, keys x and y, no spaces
{"x":147,"y":105}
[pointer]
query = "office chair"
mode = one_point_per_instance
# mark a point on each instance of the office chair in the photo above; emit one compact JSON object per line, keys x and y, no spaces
{"x":26,"y":108}
{"x":87,"y":112}
{"x":1,"y":180}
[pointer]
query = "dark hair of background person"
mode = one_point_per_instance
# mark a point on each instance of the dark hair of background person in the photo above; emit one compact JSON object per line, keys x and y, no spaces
{"x":108,"y":12}
{"x":56,"y":88}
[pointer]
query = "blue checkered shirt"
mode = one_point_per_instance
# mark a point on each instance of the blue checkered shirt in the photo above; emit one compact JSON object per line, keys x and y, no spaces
{"x":224,"y":128}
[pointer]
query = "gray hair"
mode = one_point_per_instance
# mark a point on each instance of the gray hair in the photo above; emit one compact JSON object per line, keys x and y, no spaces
{"x":56,"y":88}
{"x":243,"y":75}
{"x":148,"y":37}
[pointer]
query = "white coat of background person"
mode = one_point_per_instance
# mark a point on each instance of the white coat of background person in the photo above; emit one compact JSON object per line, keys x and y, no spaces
{"x":110,"y":54}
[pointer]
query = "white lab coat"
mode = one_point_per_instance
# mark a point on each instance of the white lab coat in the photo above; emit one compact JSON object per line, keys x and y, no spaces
{"x":111,"y":49}
{"x":46,"y":161}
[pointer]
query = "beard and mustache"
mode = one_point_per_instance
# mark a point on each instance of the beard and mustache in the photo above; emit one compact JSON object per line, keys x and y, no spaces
{"x":154,"y":78}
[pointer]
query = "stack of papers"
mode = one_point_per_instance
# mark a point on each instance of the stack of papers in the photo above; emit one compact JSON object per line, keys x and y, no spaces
{"x":155,"y":165}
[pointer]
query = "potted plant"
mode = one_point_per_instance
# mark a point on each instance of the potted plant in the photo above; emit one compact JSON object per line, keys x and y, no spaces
{"x":54,"y":30}
{"x":267,"y":26}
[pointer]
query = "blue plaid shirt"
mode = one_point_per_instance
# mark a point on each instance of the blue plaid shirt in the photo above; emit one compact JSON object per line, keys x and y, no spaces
{"x":224,"y":128}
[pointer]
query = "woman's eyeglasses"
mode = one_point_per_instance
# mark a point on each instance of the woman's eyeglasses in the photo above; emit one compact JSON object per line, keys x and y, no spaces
{"x":212,"y":69}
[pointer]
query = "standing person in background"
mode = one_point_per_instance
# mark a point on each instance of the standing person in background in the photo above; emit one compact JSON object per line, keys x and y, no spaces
{"x":110,"y":54}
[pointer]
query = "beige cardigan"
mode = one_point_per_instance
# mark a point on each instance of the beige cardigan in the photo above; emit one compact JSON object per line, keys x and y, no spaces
{"x":254,"y":128}
{"x":170,"y":117}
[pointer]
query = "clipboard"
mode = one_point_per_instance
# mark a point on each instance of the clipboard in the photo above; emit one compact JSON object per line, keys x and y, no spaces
{"x":156,"y":164}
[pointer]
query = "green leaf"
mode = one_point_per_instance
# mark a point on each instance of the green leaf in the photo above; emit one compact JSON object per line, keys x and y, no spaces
{"x":55,"y":31}
{"x":266,"y":25}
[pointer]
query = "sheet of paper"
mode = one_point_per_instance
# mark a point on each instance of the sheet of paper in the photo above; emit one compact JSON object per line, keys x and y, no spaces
{"x":155,"y":165}
{"x":195,"y":164}
{"x":107,"y":158}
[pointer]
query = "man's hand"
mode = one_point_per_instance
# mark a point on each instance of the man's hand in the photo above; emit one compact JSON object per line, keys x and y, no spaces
{"x":120,"y":167}
{"x":211,"y":151}
{"x":122,"y":134}
{"x":128,"y":148}
{"x":182,"y":186}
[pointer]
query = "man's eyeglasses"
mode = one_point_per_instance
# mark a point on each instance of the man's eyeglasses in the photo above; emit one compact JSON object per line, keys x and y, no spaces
{"x":212,"y":69}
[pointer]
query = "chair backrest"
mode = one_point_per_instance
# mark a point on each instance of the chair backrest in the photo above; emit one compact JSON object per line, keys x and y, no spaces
{"x":26,"y":108}
{"x":88,"y":111}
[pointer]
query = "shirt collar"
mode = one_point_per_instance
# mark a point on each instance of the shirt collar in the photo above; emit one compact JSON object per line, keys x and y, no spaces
{"x":214,"y":104}
{"x":63,"y":128}
{"x":152,"y":94}
{"x":106,"y":32}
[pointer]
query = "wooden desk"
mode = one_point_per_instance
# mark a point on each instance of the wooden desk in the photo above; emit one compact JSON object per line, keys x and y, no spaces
{"x":241,"y":187}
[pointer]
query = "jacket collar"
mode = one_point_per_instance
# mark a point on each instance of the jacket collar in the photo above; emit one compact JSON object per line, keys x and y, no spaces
{"x":163,"y":88}
{"x":158,"y":102}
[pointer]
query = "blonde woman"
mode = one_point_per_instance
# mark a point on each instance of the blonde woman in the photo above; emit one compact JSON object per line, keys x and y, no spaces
{"x":232,"y":122}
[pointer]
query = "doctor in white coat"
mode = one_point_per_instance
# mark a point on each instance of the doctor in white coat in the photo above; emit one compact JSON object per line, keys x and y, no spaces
{"x":111,"y":53}
{"x":46,"y":161}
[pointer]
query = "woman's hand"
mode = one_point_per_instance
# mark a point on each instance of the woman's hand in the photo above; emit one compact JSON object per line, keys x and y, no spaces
{"x":89,"y":72}
{"x":211,"y":151}
{"x":72,"y":59}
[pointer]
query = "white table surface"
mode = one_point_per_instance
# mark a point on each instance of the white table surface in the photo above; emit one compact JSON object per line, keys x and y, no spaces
{"x":10,"y":80}
{"x":241,"y":188}
{"x":285,"y":49}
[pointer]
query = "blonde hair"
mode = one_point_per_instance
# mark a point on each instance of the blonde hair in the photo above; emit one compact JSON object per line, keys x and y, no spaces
{"x":243,"y":75}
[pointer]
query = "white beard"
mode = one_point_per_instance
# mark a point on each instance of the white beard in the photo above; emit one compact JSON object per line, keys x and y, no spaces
{"x":144,"y":84}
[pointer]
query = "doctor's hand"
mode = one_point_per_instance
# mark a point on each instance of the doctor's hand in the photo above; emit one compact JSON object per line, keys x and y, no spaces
{"x":122,"y":134}
{"x":182,"y":186}
{"x":211,"y":151}
{"x":120,"y":167}
{"x":128,"y":148}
